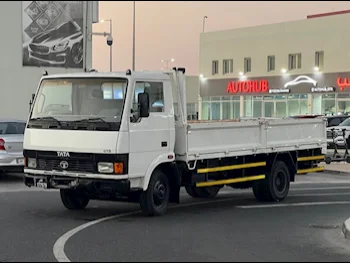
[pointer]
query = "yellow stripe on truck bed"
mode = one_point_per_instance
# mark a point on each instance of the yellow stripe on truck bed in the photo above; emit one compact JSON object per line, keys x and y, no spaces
{"x":231,"y":167}
{"x":231,"y":181}
{"x":311,"y":170}
{"x":311,"y":158}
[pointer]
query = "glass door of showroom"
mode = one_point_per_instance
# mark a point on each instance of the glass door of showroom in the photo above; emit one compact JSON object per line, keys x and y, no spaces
{"x":275,"y":108}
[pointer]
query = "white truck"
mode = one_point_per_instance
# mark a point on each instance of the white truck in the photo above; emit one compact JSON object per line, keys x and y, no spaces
{"x":125,"y":137}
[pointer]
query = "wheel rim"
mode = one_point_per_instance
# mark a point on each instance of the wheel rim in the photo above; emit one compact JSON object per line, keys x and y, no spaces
{"x":159,"y":193}
{"x":280,"y":182}
{"x":78,"y":54}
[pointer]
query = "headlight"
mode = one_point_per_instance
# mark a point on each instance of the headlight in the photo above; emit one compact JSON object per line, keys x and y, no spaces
{"x":117,"y":168}
{"x":105,"y":168}
{"x":31,"y":163}
{"x":60,"y":46}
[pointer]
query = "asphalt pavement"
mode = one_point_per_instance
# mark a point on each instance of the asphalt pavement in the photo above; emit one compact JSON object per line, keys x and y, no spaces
{"x":233,"y":227}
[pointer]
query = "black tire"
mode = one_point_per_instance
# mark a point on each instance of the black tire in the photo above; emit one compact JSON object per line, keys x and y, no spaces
{"x":208,"y":192}
{"x":348,"y":159}
{"x":191,"y":190}
{"x":328,"y":160}
{"x":73,"y":200}
{"x":203,"y":192}
{"x":275,"y":186}
{"x":154,"y":201}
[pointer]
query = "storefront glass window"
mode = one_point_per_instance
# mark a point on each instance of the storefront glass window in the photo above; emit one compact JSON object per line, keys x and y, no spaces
{"x":343,"y":103}
{"x":304,"y":109}
{"x":248,"y":106}
{"x":328,"y":104}
{"x":293,"y":107}
{"x":317,"y":104}
{"x":206,"y":111}
{"x":281,"y":109}
{"x":257,"y":108}
{"x":236,"y":110}
{"x":226,"y":110}
{"x":215,"y":110}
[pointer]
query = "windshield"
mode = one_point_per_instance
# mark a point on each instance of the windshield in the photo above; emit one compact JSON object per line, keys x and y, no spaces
{"x":78,"y":99}
{"x":345,"y":123}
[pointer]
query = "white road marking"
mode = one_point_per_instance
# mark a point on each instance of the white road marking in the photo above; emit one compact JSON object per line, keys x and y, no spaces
{"x":320,"y":194}
{"x":320,"y":188}
{"x":58,"y":248}
{"x":294,"y":204}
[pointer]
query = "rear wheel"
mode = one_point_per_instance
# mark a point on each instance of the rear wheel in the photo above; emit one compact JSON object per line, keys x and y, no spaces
{"x":154,"y":201}
{"x":275,"y":186}
{"x":328,"y":160}
{"x":73,"y":199}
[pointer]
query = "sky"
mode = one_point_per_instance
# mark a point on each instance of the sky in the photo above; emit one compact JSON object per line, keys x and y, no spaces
{"x":171,"y":29}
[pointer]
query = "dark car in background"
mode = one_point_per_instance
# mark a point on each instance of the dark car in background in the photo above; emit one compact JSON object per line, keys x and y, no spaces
{"x":335,"y":120}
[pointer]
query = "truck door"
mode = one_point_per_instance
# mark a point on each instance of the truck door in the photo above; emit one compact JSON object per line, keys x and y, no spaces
{"x":149,"y":137}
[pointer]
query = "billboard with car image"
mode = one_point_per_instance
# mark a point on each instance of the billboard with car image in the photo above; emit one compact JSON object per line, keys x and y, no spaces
{"x":52,"y":33}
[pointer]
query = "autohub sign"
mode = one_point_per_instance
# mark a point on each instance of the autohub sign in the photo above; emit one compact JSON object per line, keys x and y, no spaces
{"x":248,"y":86}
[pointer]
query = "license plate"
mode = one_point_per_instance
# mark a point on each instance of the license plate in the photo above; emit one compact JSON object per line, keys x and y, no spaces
{"x":41,"y":184}
{"x":20,"y":161}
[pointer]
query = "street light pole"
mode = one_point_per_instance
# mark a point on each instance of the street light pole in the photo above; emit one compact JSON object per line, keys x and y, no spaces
{"x":205,"y":17}
{"x":133,"y":41}
{"x":110,"y":47}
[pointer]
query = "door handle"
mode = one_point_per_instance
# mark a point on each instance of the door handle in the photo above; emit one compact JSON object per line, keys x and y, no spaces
{"x":164,"y":144}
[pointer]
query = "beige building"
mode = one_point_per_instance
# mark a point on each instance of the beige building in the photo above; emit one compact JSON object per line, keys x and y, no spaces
{"x":277,"y":70}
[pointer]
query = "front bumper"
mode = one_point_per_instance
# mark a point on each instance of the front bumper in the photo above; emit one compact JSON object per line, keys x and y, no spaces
{"x":58,"y":58}
{"x":339,"y":141}
{"x":56,"y":180}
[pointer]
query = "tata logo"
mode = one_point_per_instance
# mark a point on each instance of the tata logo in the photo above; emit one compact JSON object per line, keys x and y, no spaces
{"x":64,"y":165}
{"x":63,"y":154}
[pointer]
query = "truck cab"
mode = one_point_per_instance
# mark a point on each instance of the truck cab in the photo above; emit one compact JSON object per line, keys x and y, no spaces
{"x":105,"y":133}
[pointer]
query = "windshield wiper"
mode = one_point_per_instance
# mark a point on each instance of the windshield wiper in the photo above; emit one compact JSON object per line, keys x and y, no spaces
{"x":46,"y":118}
{"x":93,"y":119}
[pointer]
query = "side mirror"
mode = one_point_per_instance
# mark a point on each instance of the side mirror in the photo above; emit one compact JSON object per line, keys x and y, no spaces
{"x":143,"y":99}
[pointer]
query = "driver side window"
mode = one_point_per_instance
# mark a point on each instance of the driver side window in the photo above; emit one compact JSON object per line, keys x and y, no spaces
{"x":155,"y":91}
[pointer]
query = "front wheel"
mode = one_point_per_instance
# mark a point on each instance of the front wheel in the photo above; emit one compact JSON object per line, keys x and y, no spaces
{"x":275,"y":186}
{"x":73,"y":200}
{"x":154,"y":201}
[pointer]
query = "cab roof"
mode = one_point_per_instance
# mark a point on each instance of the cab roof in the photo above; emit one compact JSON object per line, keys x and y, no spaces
{"x":157,"y":75}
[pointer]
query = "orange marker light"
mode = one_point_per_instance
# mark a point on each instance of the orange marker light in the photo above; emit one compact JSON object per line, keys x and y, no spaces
{"x":118,"y":168}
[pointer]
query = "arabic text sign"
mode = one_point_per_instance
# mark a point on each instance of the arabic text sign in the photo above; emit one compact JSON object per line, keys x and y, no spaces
{"x":343,"y":83}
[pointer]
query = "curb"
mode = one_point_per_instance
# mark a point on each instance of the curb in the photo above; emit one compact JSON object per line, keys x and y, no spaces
{"x":346,"y":229}
{"x":336,"y":172}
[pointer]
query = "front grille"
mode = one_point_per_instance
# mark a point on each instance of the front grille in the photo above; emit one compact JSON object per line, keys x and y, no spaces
{"x":73,"y":165}
{"x":40,"y":49}
{"x":329,"y":135}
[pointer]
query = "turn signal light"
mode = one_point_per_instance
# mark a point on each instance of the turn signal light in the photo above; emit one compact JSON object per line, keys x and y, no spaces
{"x":118,"y":168}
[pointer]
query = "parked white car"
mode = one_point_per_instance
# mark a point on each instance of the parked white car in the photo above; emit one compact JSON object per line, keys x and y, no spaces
{"x":339,"y":139}
{"x":11,"y":145}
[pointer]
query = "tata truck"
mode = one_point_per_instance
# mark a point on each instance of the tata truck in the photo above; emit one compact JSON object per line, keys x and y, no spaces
{"x":125,"y":137}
